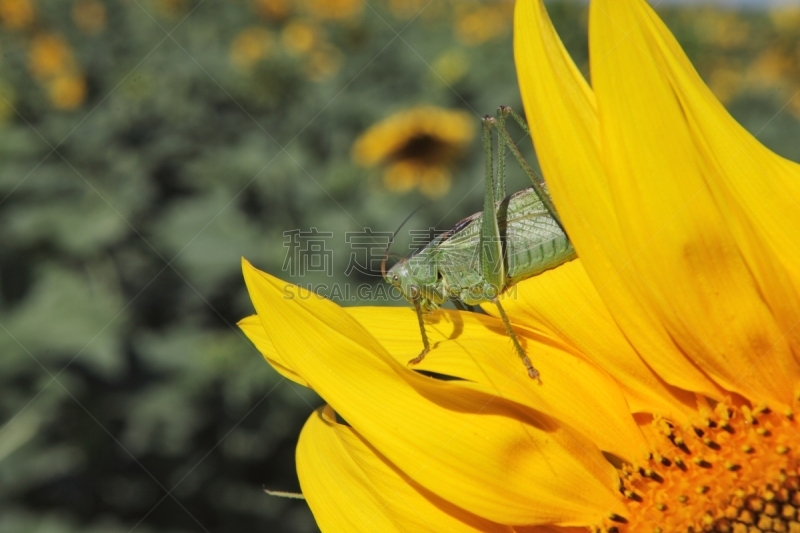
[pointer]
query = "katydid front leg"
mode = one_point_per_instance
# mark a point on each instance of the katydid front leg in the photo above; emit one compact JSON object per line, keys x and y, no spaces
{"x":491,"y":249}
{"x":425,"y":342}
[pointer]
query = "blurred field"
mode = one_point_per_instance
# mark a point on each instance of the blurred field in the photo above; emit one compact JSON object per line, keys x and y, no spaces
{"x":147,"y":145}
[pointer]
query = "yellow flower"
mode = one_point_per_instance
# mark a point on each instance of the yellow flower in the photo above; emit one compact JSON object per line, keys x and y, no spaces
{"x":324,"y":62}
{"x":250,"y":46}
{"x":418,"y":146}
{"x":50,"y":60}
{"x":451,"y":66}
{"x":320,"y":59}
{"x":669,"y":352}
{"x":300,"y":37}
{"x":785,"y":18}
{"x":476,"y":25}
{"x":16,"y":14}
{"x":49,"y":55}
{"x":771,"y":68}
{"x":726,"y":82}
{"x":724,"y":28}
{"x":67,"y":91}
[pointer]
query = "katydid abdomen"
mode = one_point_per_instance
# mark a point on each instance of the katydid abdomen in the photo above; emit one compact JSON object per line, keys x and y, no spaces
{"x":532,"y":242}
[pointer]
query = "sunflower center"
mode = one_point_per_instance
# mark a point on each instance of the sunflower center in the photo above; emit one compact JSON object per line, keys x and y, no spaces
{"x":427,"y":149}
{"x":737,"y":472}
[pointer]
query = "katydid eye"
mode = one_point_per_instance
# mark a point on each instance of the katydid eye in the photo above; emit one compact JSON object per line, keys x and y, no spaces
{"x":395,"y":278}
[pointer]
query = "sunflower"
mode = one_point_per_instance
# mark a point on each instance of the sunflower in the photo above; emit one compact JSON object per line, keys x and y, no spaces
{"x":67,"y":91}
{"x":250,"y":46}
{"x":418,"y":146}
{"x":49,"y":56}
{"x":668,"y":352}
{"x":17,"y":14}
{"x":476,"y":24}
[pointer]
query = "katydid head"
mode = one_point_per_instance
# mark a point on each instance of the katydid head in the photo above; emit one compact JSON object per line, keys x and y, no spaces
{"x":418,"y":281}
{"x":400,"y":277}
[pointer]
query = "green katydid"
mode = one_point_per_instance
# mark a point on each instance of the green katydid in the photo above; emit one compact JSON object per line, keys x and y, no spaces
{"x":482,"y":256}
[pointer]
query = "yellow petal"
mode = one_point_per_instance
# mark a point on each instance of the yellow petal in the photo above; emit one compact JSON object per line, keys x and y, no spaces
{"x":476,"y":450}
{"x":352,"y":487}
{"x":435,"y":181}
{"x":688,"y":269}
{"x":401,"y":176}
{"x":561,"y":110}
{"x":756,"y":191}
{"x":251,"y":326}
{"x":564,"y":303}
{"x":548,"y":529}
{"x":477,"y":348}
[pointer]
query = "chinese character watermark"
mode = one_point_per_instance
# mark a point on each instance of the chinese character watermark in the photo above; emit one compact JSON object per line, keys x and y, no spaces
{"x":368,"y":248}
{"x":307,"y":252}
{"x":420,"y":238}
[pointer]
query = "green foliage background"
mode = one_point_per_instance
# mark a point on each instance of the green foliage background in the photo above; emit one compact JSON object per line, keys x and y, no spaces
{"x":129,"y":401}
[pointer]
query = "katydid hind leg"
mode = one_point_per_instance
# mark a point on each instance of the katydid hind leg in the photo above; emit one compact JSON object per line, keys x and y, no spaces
{"x":532,"y":372}
{"x":507,"y":111}
{"x":502,"y":113}
{"x":500,"y":182}
{"x":491,"y":248}
{"x":426,"y":345}
{"x":536,"y":180}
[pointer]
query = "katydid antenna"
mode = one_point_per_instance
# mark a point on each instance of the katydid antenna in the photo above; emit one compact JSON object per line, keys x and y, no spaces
{"x":391,"y":240}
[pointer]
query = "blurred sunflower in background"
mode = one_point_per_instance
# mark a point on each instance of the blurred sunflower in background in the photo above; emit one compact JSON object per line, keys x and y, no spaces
{"x":669,"y":351}
{"x":475,"y":24}
{"x":17,"y":14}
{"x":251,"y":46}
{"x":307,"y":40}
{"x":778,"y":67}
{"x":299,"y":32}
{"x":417,"y":147}
{"x":51,"y":61}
